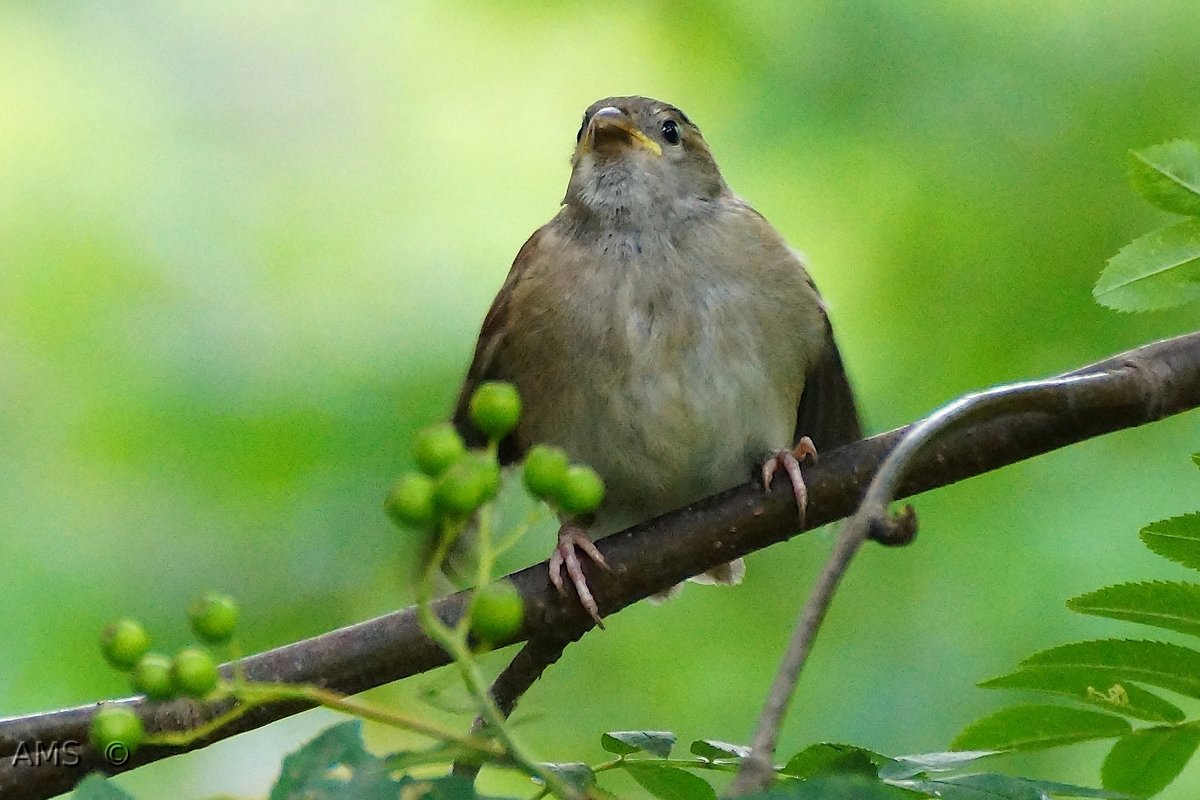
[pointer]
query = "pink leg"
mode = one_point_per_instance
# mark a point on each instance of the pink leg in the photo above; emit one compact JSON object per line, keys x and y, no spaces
{"x":790,"y":461}
{"x":569,"y":538}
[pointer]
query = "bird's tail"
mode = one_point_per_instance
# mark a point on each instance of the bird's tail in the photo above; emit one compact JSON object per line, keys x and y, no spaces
{"x":730,"y":574}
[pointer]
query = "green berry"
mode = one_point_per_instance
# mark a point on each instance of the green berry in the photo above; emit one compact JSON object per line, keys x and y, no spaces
{"x":116,"y":725}
{"x":458,"y":493}
{"x":467,"y":485}
{"x":213,"y":617}
{"x":152,"y":676}
{"x":496,"y":612}
{"x":194,"y":673}
{"x":437,"y":448}
{"x":495,"y":408}
{"x":410,"y":502}
{"x":545,"y":470}
{"x":581,"y":491}
{"x":123,"y":643}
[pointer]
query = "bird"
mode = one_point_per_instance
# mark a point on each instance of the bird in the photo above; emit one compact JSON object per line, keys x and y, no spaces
{"x":661,"y":331}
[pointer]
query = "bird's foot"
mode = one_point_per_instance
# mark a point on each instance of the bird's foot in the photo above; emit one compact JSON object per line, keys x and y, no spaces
{"x":790,"y":461}
{"x":569,"y":538}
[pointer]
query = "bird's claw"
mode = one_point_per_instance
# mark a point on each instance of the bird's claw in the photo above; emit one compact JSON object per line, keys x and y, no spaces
{"x":790,"y":461}
{"x":569,"y":538}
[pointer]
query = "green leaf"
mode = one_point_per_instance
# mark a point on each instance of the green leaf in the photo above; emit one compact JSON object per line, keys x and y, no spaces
{"x":1056,"y":789}
{"x":307,"y":773}
{"x":838,"y":787}
{"x":910,"y":766}
{"x":989,"y":786}
{"x":1144,"y":762}
{"x":1168,"y":175}
{"x":447,"y":787}
{"x":97,"y":787}
{"x":1196,"y":459}
{"x":1169,"y":666}
{"x":1177,"y":538}
{"x":1036,"y":727}
{"x":823,"y":758}
{"x":1158,"y":270}
{"x":714,"y":750}
{"x":573,"y":772}
{"x":623,"y":743}
{"x":669,"y":783}
{"x":1173,"y":605}
{"x":993,"y":786}
{"x":1093,"y":686}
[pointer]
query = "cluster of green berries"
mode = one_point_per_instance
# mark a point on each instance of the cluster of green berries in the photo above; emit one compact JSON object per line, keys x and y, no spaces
{"x":454,"y":482}
{"x":192,"y":672}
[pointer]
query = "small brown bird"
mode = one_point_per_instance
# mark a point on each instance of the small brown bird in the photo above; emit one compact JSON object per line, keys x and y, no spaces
{"x":660,"y":331}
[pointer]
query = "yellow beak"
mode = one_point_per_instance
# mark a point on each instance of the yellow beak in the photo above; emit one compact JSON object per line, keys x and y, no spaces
{"x":612,"y":124}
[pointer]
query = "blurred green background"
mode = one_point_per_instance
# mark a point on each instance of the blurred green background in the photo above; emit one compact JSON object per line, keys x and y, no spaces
{"x":245,"y":250}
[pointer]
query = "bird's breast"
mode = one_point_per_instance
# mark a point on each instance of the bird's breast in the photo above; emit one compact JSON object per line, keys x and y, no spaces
{"x":672,"y":384}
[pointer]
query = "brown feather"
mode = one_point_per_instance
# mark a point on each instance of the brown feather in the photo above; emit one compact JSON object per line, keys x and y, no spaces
{"x":484,"y":365}
{"x":827,"y":413}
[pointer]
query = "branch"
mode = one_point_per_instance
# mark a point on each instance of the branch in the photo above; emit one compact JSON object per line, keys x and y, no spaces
{"x":1140,"y":386}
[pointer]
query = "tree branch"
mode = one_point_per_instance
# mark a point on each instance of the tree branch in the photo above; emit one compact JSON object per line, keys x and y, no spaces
{"x":1141,"y":386}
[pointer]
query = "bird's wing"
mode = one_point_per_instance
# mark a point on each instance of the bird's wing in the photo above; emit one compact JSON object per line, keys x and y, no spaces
{"x":827,"y":413}
{"x":484,"y":365}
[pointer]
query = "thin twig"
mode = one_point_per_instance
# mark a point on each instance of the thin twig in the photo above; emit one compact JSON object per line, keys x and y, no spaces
{"x":871,"y":521}
{"x":453,"y":640}
{"x":757,"y":772}
{"x":521,"y":673}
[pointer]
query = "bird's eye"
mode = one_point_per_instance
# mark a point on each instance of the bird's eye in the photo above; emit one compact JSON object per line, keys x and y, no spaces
{"x":670,"y":131}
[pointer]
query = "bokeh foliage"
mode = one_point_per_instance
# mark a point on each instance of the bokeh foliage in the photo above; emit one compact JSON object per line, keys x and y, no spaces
{"x":245,"y":248}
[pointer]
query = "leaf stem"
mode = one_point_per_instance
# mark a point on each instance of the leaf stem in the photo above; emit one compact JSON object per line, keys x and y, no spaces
{"x":454,"y":642}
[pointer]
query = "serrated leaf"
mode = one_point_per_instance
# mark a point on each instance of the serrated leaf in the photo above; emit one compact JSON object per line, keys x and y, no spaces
{"x":307,"y":773}
{"x":97,"y":787}
{"x":1158,"y":270}
{"x":1037,"y":727}
{"x":1177,"y":538}
{"x":669,"y":783}
{"x":991,"y":786}
{"x":1055,"y":789}
{"x":574,"y":773}
{"x":1169,"y":666}
{"x":823,"y":758}
{"x":714,"y":750}
{"x":902,"y":767}
{"x":447,"y":787}
{"x":623,"y":743}
{"x":1173,"y":605}
{"x":1168,"y":176}
{"x":988,"y":786}
{"x":1145,"y":761}
{"x":838,"y":787}
{"x":1095,"y":687}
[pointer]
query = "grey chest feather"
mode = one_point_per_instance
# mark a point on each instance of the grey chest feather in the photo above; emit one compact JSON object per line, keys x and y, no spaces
{"x":678,"y":385}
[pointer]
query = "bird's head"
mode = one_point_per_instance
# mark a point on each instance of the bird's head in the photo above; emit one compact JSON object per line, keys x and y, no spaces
{"x":636,"y":157}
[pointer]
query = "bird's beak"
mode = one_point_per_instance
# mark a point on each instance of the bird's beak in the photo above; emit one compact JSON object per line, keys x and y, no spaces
{"x":611,"y":128}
